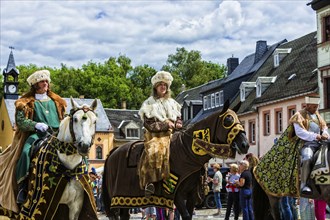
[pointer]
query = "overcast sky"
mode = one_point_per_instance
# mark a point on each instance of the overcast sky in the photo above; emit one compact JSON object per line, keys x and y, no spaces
{"x":48,"y":33}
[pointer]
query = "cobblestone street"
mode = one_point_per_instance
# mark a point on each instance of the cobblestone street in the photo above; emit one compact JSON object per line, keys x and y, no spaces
{"x":200,"y":215}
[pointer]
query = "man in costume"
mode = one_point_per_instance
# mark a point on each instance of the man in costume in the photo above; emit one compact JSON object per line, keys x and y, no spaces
{"x":310,"y":127}
{"x":38,"y":110}
{"x":160,"y":114}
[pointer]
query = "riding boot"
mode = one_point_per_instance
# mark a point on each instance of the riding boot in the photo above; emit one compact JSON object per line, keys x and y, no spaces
{"x":305,"y":172}
{"x":22,"y":191}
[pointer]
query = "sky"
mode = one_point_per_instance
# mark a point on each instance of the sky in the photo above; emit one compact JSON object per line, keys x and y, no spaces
{"x":74,"y":32}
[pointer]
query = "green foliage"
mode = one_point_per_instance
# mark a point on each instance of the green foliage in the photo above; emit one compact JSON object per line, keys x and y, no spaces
{"x":188,"y":68}
{"x":115,"y":81}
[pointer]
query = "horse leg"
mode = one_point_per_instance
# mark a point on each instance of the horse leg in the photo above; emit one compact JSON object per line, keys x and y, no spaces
{"x":73,"y":197}
{"x":181,"y":206}
{"x":124,"y":214}
{"x":190,"y":204}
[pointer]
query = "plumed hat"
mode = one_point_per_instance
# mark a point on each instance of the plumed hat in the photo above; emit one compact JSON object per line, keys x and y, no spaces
{"x":162,"y":76}
{"x":38,"y":76}
{"x":312,"y":100}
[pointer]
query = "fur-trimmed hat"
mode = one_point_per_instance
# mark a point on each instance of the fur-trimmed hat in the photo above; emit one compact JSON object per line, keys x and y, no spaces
{"x":312,"y":100}
{"x":38,"y":76}
{"x":162,"y":76}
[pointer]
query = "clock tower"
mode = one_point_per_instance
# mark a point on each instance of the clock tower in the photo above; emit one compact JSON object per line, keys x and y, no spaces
{"x":10,"y":74}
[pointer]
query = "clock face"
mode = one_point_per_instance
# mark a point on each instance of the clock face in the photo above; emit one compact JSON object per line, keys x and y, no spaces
{"x":12,"y":88}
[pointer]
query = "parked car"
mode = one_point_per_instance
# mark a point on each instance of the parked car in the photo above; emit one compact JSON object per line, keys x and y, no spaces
{"x":209,"y":201}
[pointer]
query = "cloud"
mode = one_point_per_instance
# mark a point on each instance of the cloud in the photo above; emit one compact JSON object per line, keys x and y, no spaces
{"x":48,"y":33}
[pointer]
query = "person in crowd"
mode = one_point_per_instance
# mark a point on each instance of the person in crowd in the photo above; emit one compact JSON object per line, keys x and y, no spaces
{"x":161,"y":115}
{"x":216,"y":187}
{"x":245,"y":185}
{"x":150,"y":213}
{"x":320,"y":209}
{"x":233,"y":192}
{"x":306,"y":208}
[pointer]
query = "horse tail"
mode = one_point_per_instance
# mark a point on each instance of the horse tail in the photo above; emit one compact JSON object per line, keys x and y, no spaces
{"x":105,"y":192}
{"x":261,"y":205}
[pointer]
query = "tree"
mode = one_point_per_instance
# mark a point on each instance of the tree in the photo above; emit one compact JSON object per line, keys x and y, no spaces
{"x":140,"y":79}
{"x":188,"y":68}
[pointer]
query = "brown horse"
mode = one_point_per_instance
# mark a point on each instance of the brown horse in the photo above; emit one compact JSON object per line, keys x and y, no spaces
{"x":270,"y":201}
{"x":219,"y":135}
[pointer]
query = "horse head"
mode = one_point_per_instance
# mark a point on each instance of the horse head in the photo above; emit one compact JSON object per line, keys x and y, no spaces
{"x":230,"y":129}
{"x":80,"y":127}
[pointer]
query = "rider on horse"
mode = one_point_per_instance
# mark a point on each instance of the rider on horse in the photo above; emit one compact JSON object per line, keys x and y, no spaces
{"x":161,"y":114}
{"x":310,"y":127}
{"x":38,"y":109}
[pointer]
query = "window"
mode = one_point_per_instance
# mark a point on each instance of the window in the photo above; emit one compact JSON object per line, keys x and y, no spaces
{"x":212,"y":101}
{"x":327,"y":92}
{"x":132,"y":133}
{"x":217,"y":99}
{"x":205,"y":102}
{"x":266,"y":123}
{"x":278,"y":121}
{"x":326,"y":28}
{"x":208,"y":101}
{"x":252,"y":131}
{"x":276,"y":60}
{"x":291,"y":111}
{"x":99,"y":152}
{"x":221,"y":98}
{"x":242,"y":94}
{"x":258,"y":89}
{"x":185,"y":113}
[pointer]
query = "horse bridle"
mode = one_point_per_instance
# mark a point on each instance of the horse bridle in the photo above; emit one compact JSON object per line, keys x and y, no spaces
{"x":72,"y":112}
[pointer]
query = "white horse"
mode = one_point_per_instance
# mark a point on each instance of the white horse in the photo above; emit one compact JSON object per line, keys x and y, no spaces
{"x":77,"y":128}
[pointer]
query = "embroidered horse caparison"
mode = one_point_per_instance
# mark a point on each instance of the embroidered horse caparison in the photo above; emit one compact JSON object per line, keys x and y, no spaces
{"x":219,"y":135}
{"x":58,"y":174}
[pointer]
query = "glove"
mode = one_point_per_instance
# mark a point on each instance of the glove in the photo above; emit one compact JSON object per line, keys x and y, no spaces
{"x":41,"y":127}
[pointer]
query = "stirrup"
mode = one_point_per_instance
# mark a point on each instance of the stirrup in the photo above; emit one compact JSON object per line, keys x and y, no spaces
{"x":149,"y":189}
{"x":306,"y":190}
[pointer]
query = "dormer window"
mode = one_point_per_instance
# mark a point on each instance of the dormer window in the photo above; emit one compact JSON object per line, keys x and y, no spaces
{"x":245,"y":89}
{"x":132,"y":133}
{"x":205,"y":102}
{"x":279,"y":54}
{"x":263,"y":83}
{"x":221,"y":98}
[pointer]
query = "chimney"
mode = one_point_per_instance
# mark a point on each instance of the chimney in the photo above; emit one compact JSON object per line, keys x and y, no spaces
{"x":232,"y":63}
{"x":261,"y":48}
{"x":123,"y":105}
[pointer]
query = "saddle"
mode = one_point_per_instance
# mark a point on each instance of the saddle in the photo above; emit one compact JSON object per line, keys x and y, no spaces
{"x":37,"y":144}
{"x":320,"y":171}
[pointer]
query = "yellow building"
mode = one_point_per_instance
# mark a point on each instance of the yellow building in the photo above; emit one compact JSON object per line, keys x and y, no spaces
{"x":7,"y":123}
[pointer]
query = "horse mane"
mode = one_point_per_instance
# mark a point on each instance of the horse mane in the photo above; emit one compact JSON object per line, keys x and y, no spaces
{"x":64,"y":130}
